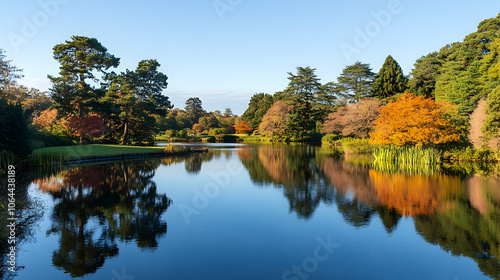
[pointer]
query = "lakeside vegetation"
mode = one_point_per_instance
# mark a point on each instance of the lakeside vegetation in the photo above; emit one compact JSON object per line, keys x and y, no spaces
{"x":450,"y":101}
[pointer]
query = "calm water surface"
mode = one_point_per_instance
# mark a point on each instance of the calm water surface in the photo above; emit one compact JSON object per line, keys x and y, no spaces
{"x":256,"y":212}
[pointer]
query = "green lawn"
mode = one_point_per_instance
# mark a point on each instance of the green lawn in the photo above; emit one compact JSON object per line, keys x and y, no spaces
{"x":79,"y":151}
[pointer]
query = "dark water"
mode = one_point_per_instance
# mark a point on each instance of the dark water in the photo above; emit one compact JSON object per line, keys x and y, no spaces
{"x":255,"y":212}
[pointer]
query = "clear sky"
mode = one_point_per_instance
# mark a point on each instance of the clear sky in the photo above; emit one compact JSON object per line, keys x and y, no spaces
{"x":224,"y":51}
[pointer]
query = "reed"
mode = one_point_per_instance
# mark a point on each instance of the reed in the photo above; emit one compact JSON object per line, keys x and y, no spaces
{"x":47,"y":159}
{"x":408,"y":160}
{"x":176,"y":149}
{"x":6,"y":158}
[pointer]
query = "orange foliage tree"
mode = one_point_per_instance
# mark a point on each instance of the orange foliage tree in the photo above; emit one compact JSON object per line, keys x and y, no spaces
{"x":275,"y":120}
{"x":413,"y":120}
{"x":243,"y":127}
{"x":198,"y":128}
{"x":47,"y":119}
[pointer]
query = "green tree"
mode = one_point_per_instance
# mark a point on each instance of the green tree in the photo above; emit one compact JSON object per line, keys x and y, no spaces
{"x":80,"y":59}
{"x":209,"y":121}
{"x":389,"y":80}
{"x":257,"y":107}
{"x":301,"y":93}
{"x":228,"y":113}
{"x":355,"y":81}
{"x":491,"y":125}
{"x":194,"y":109}
{"x":13,"y":129}
{"x":8,"y":72}
{"x":424,"y":75}
{"x":136,"y":97}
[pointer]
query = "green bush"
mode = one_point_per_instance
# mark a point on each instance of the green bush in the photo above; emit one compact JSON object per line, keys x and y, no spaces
{"x":357,"y":146}
{"x":217,"y":131}
{"x":182,"y":133}
{"x":171,"y":133}
{"x":472,"y":155}
{"x":330,"y":138}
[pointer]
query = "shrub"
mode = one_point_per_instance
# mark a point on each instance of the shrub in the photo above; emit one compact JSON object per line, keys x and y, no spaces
{"x":330,"y":138}
{"x":216,"y":131}
{"x":357,"y":146}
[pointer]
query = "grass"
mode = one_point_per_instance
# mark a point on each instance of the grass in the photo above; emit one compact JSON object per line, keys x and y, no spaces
{"x":254,"y":138}
{"x":80,"y":151}
{"x":408,"y":160}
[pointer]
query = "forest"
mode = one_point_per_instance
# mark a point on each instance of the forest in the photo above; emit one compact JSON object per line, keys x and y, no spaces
{"x":449,"y":100}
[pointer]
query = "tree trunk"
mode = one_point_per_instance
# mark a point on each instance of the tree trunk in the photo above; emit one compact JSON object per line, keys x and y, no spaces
{"x":125,"y":134}
{"x":80,"y":114}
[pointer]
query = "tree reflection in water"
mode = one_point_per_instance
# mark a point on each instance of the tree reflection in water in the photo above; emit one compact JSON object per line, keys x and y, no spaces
{"x":461,"y":216}
{"x":96,"y":206}
{"x":99,"y":204}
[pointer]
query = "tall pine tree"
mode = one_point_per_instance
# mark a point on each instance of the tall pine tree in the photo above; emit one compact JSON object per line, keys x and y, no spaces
{"x":389,"y":80}
{"x":81,"y":59}
{"x":355,"y":81}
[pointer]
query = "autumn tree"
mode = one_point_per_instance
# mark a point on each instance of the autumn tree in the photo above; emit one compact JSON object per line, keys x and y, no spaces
{"x":90,"y":126}
{"x":354,"y":119}
{"x":274,"y":122}
{"x":476,"y":121}
{"x":73,"y":92}
{"x":243,"y":127}
{"x":413,"y":120}
{"x":198,"y":128}
{"x":389,"y":80}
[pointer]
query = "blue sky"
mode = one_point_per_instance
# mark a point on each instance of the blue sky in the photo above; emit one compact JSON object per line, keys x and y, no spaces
{"x":224,"y":51}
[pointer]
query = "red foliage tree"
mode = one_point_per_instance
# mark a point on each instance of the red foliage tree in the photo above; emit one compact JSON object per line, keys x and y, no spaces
{"x":355,"y":119}
{"x":90,"y":126}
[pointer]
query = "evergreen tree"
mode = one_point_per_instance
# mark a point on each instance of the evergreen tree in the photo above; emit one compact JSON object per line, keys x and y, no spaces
{"x":80,"y":58}
{"x":136,"y":97}
{"x":355,"y":81}
{"x":194,"y":109}
{"x":301,"y":93}
{"x":257,"y":107}
{"x":13,"y":129}
{"x":424,"y":75}
{"x":491,"y":126}
{"x":389,"y":80}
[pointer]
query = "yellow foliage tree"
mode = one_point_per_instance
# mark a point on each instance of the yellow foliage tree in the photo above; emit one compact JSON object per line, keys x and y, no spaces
{"x":413,"y":120}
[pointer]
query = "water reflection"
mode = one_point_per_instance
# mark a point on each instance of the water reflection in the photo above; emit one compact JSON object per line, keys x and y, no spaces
{"x":28,"y":211}
{"x":97,"y":205}
{"x":461,"y":216}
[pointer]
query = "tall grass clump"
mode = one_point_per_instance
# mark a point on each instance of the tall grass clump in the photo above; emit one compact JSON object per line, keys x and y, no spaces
{"x":176,"y":149}
{"x":47,"y":159}
{"x":6,"y":158}
{"x":408,"y":160}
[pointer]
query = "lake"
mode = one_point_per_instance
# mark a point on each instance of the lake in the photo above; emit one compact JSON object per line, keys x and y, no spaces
{"x":255,"y":212}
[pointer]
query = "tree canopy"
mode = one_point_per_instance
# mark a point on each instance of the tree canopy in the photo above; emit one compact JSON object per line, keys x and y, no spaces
{"x":413,"y":120}
{"x":390,"y":80}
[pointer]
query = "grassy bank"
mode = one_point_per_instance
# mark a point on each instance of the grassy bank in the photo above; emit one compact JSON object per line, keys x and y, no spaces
{"x":80,"y":151}
{"x":88,"y":153}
